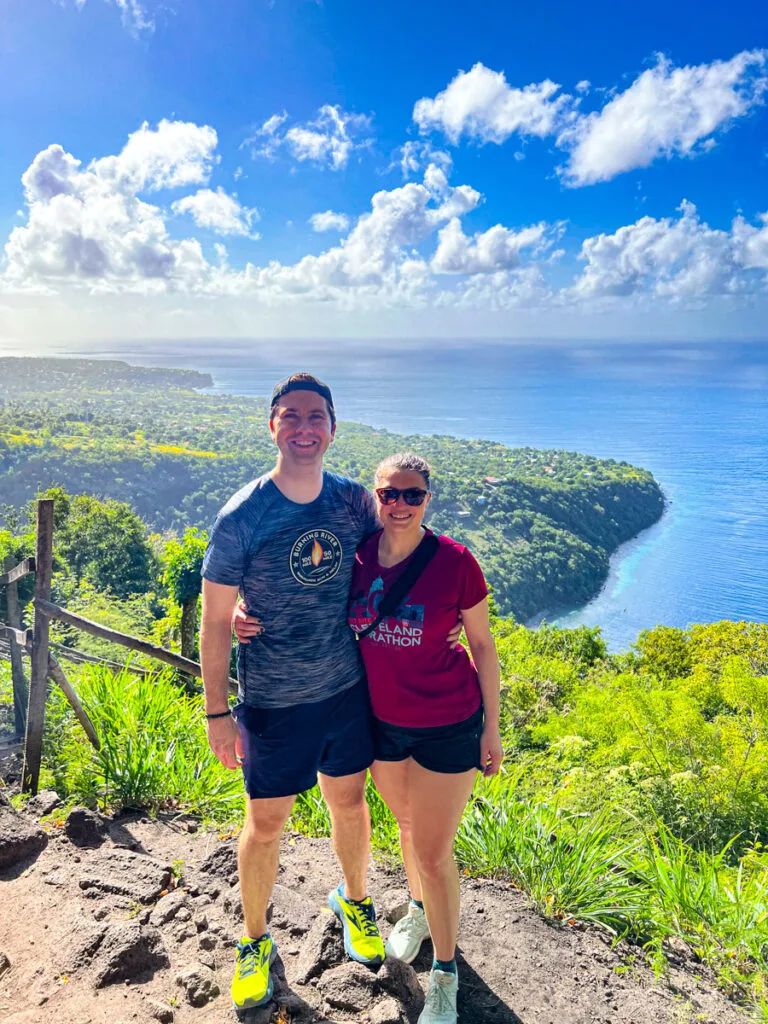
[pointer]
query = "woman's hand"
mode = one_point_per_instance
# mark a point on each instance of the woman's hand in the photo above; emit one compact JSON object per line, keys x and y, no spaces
{"x":245,"y":626}
{"x":491,"y":750}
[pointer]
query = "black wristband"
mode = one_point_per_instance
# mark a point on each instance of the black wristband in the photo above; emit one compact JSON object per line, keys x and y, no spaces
{"x":219,"y":714}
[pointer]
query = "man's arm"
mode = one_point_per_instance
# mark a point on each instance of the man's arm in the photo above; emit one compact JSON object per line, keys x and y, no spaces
{"x":215,"y":650}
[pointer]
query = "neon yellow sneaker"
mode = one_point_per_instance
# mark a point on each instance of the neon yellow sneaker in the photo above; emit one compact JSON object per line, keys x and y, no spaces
{"x":361,"y":933}
{"x":252,"y":984}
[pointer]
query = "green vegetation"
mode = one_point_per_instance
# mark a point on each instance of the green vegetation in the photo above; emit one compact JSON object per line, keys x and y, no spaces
{"x":634,"y":794}
{"x":543,"y":523}
{"x":635,"y":790}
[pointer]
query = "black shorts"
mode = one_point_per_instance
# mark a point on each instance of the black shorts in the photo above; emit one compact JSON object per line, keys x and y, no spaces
{"x":285,"y":748}
{"x":448,"y":749}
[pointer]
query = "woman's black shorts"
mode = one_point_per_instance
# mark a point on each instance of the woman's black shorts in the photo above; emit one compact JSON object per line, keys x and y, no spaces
{"x":448,"y":749}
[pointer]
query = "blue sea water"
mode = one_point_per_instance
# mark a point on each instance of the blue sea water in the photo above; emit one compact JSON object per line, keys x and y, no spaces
{"x":696,"y":415}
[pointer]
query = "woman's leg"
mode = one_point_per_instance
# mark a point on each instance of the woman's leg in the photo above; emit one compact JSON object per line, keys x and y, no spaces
{"x":436,"y":802}
{"x":392,"y":782}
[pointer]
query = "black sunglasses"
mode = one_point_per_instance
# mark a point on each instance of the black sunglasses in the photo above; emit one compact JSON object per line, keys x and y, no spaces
{"x":412,"y":495}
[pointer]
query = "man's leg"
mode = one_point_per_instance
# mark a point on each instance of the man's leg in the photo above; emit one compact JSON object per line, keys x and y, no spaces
{"x":257,"y":858}
{"x":351,"y":822}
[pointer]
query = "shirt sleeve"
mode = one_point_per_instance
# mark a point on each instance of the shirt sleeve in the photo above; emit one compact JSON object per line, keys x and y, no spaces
{"x":472,"y":585}
{"x":226,"y":556}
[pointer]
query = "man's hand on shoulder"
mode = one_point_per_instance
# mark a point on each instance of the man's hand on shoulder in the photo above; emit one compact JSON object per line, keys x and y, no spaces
{"x":225,"y":742}
{"x":245,"y":626}
{"x":455,"y":632}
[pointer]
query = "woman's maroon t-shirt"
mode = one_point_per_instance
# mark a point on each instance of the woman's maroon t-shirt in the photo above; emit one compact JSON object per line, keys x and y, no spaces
{"x":416,"y":680}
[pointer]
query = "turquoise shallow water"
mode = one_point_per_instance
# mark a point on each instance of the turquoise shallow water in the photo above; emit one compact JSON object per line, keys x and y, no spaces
{"x":696,"y":415}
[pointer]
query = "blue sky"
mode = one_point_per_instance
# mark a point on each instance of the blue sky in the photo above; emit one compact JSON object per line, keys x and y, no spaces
{"x":587,"y":170}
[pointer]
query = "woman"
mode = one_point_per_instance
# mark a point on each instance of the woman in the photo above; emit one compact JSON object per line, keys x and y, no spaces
{"x":436,"y":714}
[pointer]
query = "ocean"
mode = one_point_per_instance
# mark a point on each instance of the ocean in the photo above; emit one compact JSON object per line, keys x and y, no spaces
{"x":696,"y":415}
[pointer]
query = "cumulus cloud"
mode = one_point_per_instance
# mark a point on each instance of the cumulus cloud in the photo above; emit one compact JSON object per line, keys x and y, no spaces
{"x":329,"y":221}
{"x":498,"y":248}
{"x":482,"y":105}
{"x":667,"y":111}
{"x":87,"y":227}
{"x":218,"y":211}
{"x":90,"y":227}
{"x":328,"y":141}
{"x":677,"y":258}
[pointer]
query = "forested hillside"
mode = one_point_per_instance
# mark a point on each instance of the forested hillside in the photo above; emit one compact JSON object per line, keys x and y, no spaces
{"x":543,"y":523}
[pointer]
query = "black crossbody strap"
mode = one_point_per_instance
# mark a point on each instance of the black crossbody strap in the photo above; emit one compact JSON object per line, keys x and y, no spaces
{"x":393,"y":598}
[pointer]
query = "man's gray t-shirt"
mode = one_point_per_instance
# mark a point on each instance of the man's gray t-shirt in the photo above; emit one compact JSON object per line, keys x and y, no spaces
{"x":293,"y":565}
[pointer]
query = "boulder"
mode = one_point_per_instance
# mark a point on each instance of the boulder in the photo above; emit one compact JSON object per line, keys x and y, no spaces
{"x":222,"y":862}
{"x":350,"y":987}
{"x":394,"y":904}
{"x":127,"y":951}
{"x":160,"y":1011}
{"x":323,"y":948}
{"x":85,"y":827}
{"x":5,"y":964}
{"x":388,"y":1011}
{"x":199,"y":984}
{"x":125,"y":873}
{"x":116,"y":952}
{"x":169,"y":906}
{"x":19,"y":837}
{"x":232,"y":903}
{"x":399,"y":980}
{"x":291,"y":911}
{"x":43,"y":803}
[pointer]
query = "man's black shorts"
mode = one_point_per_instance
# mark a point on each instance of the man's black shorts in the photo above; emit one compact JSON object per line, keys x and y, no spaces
{"x":449,"y":749}
{"x":285,"y":748}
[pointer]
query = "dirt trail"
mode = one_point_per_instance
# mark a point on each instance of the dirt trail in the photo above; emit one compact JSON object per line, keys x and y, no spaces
{"x":89,"y":938}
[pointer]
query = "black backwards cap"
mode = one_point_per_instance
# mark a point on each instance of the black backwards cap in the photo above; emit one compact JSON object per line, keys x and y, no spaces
{"x":303,"y":382}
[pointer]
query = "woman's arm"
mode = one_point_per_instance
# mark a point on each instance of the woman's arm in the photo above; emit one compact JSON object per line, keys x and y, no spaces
{"x":483,"y":648}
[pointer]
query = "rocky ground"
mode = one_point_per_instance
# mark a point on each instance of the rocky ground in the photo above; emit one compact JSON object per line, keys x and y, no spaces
{"x":134,"y":920}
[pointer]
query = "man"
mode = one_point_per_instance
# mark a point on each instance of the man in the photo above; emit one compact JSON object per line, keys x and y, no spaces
{"x":287,"y":542}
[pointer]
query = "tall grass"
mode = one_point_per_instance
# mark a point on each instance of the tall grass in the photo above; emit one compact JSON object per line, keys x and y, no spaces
{"x":154,"y":751}
{"x":641,"y":883}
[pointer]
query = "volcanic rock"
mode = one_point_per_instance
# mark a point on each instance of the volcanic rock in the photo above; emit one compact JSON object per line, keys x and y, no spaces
{"x":85,"y":828}
{"x":19,"y":837}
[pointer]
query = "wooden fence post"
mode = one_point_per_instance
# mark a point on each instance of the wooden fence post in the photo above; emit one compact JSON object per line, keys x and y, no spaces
{"x":20,"y":689}
{"x":38,"y":680}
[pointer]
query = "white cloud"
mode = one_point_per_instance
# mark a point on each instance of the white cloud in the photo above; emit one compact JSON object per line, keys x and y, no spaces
{"x":414,"y":156}
{"x":482,"y":105}
{"x":134,"y":13}
{"x":498,"y":248}
{"x":329,"y":140}
{"x":218,"y":211}
{"x":89,"y":227}
{"x":173,"y":155}
{"x":522,"y":288}
{"x":676,"y":258}
{"x":329,"y":221}
{"x":666,"y":112}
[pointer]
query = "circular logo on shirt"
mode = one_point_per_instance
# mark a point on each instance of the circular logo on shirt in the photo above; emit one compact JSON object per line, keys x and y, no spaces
{"x":315,"y":557}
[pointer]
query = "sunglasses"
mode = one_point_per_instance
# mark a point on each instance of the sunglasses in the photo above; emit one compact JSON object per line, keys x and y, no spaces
{"x":411,"y":495}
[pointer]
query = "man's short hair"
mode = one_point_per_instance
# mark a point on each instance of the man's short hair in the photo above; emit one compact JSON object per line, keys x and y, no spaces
{"x":302,"y":382}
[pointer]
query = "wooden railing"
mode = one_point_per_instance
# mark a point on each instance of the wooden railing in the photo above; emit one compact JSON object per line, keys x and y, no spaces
{"x":29,"y":708}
